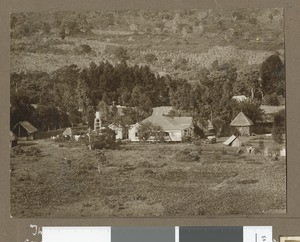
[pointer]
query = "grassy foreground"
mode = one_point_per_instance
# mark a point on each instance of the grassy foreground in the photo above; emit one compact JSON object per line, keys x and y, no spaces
{"x":67,"y":180}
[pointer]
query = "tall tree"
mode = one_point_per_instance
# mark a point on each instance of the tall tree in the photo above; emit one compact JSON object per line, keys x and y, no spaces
{"x":272,"y":75}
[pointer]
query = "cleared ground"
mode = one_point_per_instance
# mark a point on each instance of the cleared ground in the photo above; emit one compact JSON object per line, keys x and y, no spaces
{"x":66,"y":179}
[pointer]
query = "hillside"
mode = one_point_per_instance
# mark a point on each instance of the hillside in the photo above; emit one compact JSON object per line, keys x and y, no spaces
{"x":179,"y":43}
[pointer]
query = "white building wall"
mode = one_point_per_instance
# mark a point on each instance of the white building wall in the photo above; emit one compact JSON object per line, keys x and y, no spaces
{"x":175,"y":135}
{"x":132,"y":133}
{"x":119,"y":133}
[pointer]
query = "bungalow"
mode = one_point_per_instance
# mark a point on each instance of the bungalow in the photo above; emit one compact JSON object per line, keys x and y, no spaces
{"x":243,"y":124}
{"x":175,"y":128}
{"x":25,"y":130}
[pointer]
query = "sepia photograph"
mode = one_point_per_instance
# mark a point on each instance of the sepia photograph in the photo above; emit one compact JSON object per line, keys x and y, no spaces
{"x":290,"y":239}
{"x":147,"y":113}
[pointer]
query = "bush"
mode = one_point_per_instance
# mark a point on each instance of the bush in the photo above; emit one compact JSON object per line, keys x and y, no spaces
{"x":17,"y":150}
{"x":85,"y":167}
{"x":197,"y":141}
{"x":105,"y":140}
{"x":148,"y":130}
{"x":187,"y":155}
{"x":61,"y":139}
{"x":224,"y":152}
{"x":83,"y":49}
{"x":33,"y":151}
{"x":278,"y":127}
{"x":261,"y":144}
{"x":86,"y":48}
{"x":271,"y":99}
{"x":187,"y":139}
{"x":101,"y":158}
{"x":150,"y":58}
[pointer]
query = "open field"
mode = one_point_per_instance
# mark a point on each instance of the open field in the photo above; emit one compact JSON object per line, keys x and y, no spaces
{"x":66,"y":179}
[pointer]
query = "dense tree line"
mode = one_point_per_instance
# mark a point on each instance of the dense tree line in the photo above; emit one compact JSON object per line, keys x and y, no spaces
{"x":71,"y":95}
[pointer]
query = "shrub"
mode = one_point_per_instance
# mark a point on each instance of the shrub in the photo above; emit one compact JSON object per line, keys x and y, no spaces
{"x":150,"y":58}
{"x":83,"y":49}
{"x":86,"y":48}
{"x":17,"y":150}
{"x":145,"y":164}
{"x":261,"y":144}
{"x":33,"y":151}
{"x":278,"y":127}
{"x":186,"y":139}
{"x":61,"y":139}
{"x":148,"y":130}
{"x":197,"y":141}
{"x":101,"y":158}
{"x":85,"y":167}
{"x":187,"y":155}
{"x":105,"y":140}
{"x":224,"y":152}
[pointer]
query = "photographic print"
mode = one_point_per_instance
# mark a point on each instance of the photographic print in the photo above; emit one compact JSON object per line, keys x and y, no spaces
{"x":290,"y":239}
{"x":147,"y":113}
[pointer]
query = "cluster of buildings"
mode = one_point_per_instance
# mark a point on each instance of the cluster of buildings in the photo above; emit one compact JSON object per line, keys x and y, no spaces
{"x":175,"y":128}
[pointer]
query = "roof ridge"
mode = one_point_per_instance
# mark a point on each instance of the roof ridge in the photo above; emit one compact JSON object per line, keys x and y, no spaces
{"x":241,"y":115}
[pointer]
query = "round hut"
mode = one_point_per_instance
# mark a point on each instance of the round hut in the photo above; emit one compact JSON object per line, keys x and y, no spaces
{"x":243,"y":124}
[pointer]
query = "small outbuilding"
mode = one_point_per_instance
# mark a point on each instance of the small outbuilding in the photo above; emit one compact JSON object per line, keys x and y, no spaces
{"x":243,"y":124}
{"x":233,"y":141}
{"x":68,"y":132}
{"x":283,"y":152}
{"x":118,"y":131}
{"x":133,"y":132}
{"x":240,"y":98}
{"x":24,"y":130}
{"x":13,"y":140}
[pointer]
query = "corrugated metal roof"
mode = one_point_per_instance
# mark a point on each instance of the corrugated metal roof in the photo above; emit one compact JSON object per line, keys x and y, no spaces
{"x":241,"y":120}
{"x":240,"y":98}
{"x":28,"y":126}
{"x":229,"y":140}
{"x":271,"y":109}
{"x":163,"y":110}
{"x":160,"y":118}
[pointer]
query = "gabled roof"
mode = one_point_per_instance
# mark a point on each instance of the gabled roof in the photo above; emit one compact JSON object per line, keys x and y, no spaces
{"x":68,"y":131}
{"x":271,"y":109}
{"x":240,"y":98}
{"x":163,"y":110}
{"x":114,"y":126}
{"x":160,"y":118}
{"x":12,"y":136}
{"x":233,"y":139}
{"x":241,"y":120}
{"x":229,"y":140}
{"x":27,"y":126}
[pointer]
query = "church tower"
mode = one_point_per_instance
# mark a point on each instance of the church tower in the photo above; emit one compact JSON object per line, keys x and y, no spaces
{"x":97,"y":122}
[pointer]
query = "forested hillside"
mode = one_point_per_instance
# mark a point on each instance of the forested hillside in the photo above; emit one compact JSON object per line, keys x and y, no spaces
{"x":172,"y":42}
{"x":71,"y":64}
